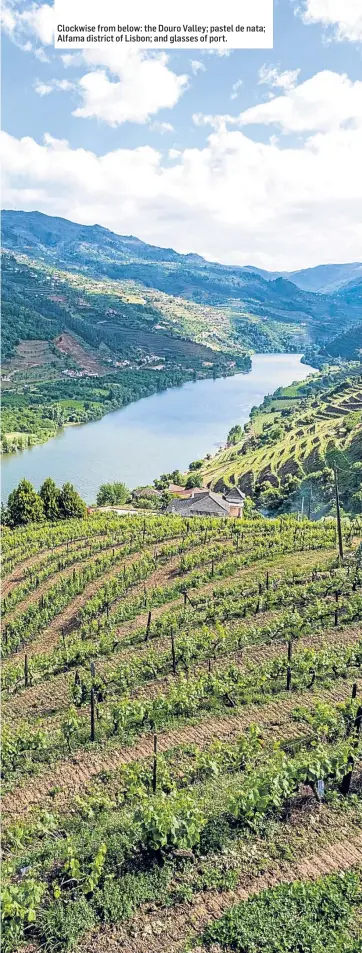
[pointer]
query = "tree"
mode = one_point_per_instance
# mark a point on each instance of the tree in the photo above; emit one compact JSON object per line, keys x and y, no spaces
{"x":49,"y":494}
{"x":70,"y":503}
{"x":194,"y":481}
{"x":24,"y":505}
{"x":234,"y":435}
{"x":195,"y":465}
{"x":110,"y":494}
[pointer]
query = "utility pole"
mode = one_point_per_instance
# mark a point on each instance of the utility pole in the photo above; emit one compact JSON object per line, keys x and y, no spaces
{"x":339,"y":523}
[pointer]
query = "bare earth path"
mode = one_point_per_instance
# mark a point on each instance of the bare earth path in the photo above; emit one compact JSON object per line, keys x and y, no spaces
{"x":166,"y":931}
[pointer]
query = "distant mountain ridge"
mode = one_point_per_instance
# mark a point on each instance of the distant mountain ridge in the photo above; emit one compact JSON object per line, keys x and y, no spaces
{"x":322,"y":279}
{"x":31,"y":229}
{"x":242,"y":292}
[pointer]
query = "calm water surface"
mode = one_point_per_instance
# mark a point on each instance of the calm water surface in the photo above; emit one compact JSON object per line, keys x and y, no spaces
{"x":155,"y":435}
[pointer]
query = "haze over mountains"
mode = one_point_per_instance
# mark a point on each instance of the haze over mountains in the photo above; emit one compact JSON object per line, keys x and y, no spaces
{"x":247,"y":293}
{"x":322,"y":279}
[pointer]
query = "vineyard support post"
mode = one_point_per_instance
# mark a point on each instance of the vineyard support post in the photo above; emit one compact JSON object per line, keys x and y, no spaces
{"x":26,"y":672}
{"x":346,"y":783}
{"x":310,"y":503}
{"x":148,"y":626}
{"x":154,"y":772}
{"x":339,"y":521}
{"x":289,"y":667}
{"x":92,"y":715}
{"x":173,"y":652}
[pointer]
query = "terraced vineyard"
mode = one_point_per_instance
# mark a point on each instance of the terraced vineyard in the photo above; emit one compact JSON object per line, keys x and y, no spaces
{"x":181,"y":715}
{"x":292,"y":438}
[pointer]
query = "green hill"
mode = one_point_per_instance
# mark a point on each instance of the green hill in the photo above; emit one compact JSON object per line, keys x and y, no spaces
{"x":287,"y":451}
{"x":280,"y":307}
{"x":348,"y":345}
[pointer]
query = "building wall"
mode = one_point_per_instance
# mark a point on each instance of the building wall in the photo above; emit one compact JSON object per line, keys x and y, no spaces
{"x":235,"y":510}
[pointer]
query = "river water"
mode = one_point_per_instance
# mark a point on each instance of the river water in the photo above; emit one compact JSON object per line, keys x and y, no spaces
{"x":155,"y":435}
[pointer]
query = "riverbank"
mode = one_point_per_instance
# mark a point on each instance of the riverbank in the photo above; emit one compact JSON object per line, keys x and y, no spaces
{"x":154,"y":435}
{"x":34,"y":415}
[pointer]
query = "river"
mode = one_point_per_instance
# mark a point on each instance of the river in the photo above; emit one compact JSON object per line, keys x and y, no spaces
{"x":155,"y":435}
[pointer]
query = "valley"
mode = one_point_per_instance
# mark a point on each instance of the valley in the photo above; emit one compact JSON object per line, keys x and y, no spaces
{"x":93,"y":321}
{"x":181,"y":760}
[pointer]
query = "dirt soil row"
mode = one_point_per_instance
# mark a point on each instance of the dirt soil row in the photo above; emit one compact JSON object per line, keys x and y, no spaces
{"x":73,"y":774}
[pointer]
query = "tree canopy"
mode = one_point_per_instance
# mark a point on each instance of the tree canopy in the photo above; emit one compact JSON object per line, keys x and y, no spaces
{"x":111,"y":494}
{"x":25,"y":505}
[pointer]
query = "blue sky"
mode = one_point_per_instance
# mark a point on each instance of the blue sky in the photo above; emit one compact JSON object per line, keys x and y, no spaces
{"x":250,"y":158}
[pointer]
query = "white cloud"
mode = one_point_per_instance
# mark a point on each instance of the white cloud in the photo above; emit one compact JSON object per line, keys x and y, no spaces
{"x":326,"y":101}
{"x":120,"y":86}
{"x":236,"y":88}
{"x":37,"y":20}
{"x":145,"y":85}
{"x":61,"y":85}
{"x":162,"y":127}
{"x":197,"y":67}
{"x":235,"y":200}
{"x":275,"y":78}
{"x":344,"y":17}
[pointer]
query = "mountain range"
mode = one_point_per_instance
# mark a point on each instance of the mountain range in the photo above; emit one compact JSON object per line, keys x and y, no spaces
{"x":258,"y":310}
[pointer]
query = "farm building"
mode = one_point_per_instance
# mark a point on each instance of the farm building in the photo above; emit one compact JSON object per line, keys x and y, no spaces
{"x":207,"y":503}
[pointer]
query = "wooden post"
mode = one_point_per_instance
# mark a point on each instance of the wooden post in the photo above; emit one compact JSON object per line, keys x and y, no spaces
{"x":26,"y":672}
{"x":185,"y":598}
{"x":354,"y":691}
{"x":107,"y":609}
{"x":77,"y":678}
{"x":212,"y":568}
{"x":339,"y":522}
{"x":92,"y":669}
{"x":173,"y":652}
{"x":92,"y":716}
{"x":310,"y":503}
{"x":154,"y":773}
{"x":267,"y":580}
{"x":289,"y":668}
{"x":148,"y":626}
{"x":346,"y":783}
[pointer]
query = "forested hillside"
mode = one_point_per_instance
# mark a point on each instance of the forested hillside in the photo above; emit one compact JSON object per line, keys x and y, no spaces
{"x":99,"y":253}
{"x":82,"y":303}
{"x":348,"y":345}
